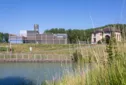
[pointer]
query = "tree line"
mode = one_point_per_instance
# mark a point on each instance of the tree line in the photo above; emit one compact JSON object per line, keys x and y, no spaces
{"x":73,"y":34}
{"x":4,"y":37}
{"x":84,"y":34}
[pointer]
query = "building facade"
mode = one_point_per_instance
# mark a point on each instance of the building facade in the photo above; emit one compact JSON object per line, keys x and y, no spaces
{"x":106,"y":33}
{"x":47,"y":39}
{"x":15,"y":39}
{"x":33,"y":36}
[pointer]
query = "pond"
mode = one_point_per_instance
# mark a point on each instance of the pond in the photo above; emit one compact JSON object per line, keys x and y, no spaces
{"x":27,"y":73}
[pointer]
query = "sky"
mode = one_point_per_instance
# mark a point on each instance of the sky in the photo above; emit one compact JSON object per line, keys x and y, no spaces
{"x":16,"y":15}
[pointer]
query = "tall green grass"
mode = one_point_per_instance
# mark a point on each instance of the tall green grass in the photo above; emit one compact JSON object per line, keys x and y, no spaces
{"x":110,"y":66}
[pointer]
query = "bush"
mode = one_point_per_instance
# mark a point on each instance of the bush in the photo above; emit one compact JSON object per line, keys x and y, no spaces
{"x":3,"y":49}
{"x":99,"y":42}
{"x":77,"y":56}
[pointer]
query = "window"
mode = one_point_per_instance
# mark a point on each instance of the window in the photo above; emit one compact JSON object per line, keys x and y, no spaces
{"x":94,"y":34}
{"x":94,"y":40}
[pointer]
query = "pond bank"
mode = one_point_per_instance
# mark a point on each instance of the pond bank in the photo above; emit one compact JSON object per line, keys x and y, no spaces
{"x":32,"y":60}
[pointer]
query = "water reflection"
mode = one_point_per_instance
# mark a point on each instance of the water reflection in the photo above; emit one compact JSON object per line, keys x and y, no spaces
{"x":16,"y":81}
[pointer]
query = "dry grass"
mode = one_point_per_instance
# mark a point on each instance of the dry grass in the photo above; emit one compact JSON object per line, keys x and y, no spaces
{"x":103,"y":73}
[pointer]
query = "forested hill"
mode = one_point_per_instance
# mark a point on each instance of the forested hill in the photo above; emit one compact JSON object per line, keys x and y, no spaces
{"x":83,"y":34}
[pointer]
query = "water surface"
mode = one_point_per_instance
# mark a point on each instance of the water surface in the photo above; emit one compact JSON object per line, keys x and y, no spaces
{"x":32,"y":73}
{"x":16,"y":73}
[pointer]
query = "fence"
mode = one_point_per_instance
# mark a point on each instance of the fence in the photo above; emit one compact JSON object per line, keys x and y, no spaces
{"x":34,"y":58}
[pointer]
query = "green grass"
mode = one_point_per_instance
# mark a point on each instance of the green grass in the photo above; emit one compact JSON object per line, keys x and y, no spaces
{"x":110,"y":67}
{"x":45,"y":48}
{"x":38,"y":48}
{"x":3,"y":49}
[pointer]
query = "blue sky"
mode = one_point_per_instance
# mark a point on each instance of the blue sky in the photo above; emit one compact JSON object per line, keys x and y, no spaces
{"x":16,"y":15}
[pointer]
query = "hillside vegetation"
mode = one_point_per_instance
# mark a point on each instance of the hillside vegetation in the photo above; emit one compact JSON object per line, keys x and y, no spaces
{"x":84,"y":34}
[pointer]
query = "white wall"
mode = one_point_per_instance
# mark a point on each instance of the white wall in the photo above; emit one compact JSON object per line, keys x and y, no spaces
{"x":118,"y":36}
{"x":92,"y":38}
{"x":99,"y":36}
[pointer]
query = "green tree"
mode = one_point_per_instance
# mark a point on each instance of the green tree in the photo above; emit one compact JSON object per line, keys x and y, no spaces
{"x":6,"y":37}
{"x":1,"y":37}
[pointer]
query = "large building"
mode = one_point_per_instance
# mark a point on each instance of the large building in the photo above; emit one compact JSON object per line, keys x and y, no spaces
{"x":33,"y":36}
{"x":15,"y":39}
{"x":105,"y":33}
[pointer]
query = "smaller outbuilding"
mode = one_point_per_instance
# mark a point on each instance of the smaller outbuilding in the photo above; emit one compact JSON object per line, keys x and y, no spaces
{"x":106,"y":33}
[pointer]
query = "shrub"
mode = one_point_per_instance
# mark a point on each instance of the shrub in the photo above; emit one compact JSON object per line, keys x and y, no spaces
{"x":77,"y":56}
{"x":3,"y":49}
{"x":99,"y":42}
